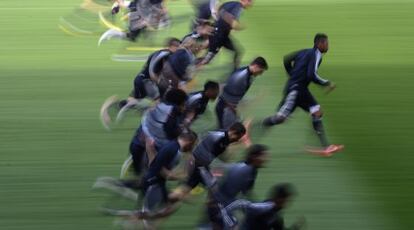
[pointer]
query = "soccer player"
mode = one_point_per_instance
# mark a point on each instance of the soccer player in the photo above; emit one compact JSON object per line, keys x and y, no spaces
{"x":236,"y":87}
{"x":239,"y":179}
{"x":200,"y":36}
{"x":159,"y":126}
{"x":228,"y":16}
{"x":142,"y":14}
{"x":302,"y":67}
{"x":160,"y":169}
{"x":179,"y":67}
{"x":197,"y":101}
{"x":144,"y":83}
{"x":211,"y":146}
{"x":264,"y":215}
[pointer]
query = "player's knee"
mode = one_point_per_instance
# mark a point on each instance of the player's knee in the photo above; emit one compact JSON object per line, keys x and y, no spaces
{"x":318,"y":114}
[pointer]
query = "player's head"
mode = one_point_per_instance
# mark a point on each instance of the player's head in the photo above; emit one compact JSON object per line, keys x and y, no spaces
{"x":321,"y":42}
{"x":246,"y":3}
{"x":175,"y":97}
{"x":204,"y":27}
{"x":236,"y":131}
{"x":211,"y":90}
{"x":257,"y":155}
{"x":172,"y":44}
{"x":187,"y":140}
{"x":281,"y":194}
{"x":258,"y":66}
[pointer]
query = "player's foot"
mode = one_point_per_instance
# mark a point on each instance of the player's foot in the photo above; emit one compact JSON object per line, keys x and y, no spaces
{"x":109,"y":34}
{"x":325,"y":152}
{"x":104,"y":114}
{"x":115,"y":186}
{"x":121,"y":114}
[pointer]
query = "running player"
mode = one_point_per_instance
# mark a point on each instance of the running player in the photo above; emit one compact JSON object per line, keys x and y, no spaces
{"x":144,"y":83}
{"x":179,"y":68}
{"x":211,"y":146}
{"x":159,"y":126}
{"x":302,"y":67}
{"x":161,"y":169}
{"x":240,"y":179}
{"x":228,"y":20}
{"x":142,"y":14}
{"x":197,"y":101}
{"x":236,"y":87}
{"x":264,"y":215}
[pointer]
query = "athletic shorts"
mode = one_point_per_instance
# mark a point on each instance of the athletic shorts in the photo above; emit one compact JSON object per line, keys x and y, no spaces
{"x":214,"y":215}
{"x":144,"y":87}
{"x":298,"y":98}
{"x":226,"y":115}
{"x":155,"y":196}
{"x":221,"y":38}
{"x":194,"y":177}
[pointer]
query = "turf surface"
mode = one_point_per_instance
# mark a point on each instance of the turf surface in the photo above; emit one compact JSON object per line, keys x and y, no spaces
{"x":53,"y":147}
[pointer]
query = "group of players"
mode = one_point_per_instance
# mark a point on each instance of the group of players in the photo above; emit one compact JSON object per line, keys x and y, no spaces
{"x":165,"y":135}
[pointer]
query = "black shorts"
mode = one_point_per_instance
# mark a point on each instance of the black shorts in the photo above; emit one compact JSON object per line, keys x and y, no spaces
{"x":194,"y":176}
{"x":221,"y":38}
{"x":214,"y":215}
{"x":297,"y":98}
{"x":144,"y":87}
{"x":226,"y":115}
{"x":155,"y":196}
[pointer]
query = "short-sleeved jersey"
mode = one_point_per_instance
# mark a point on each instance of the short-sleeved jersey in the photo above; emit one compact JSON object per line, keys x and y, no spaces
{"x":237,"y":86}
{"x":240,"y":178}
{"x":211,"y":146}
{"x":196,"y":103}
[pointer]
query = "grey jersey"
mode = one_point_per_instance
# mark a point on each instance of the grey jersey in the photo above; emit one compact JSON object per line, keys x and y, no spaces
{"x":214,"y":144}
{"x":240,"y":178}
{"x":153,"y":123}
{"x":237,"y":86}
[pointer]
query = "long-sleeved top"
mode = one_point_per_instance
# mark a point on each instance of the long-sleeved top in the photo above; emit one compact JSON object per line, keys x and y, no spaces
{"x":302,"y":67}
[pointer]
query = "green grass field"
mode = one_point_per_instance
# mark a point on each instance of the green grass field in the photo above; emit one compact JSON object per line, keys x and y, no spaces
{"x":52,"y":145}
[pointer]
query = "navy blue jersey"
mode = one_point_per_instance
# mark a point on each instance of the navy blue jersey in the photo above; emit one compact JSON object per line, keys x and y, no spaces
{"x":237,"y":86}
{"x":167,"y":157}
{"x":197,"y":102}
{"x":302,"y":67}
{"x":155,"y":67}
{"x":180,"y":62}
{"x":234,"y":9}
{"x":212,"y":145}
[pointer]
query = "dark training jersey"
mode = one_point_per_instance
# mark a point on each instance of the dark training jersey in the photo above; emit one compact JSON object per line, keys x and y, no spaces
{"x":302,"y":67}
{"x":214,"y":144}
{"x":234,"y":9}
{"x":162,"y":123}
{"x":154,"y":63}
{"x":237,"y":86}
{"x":168,"y":157}
{"x":181,"y":62}
{"x":240,"y":178}
{"x":196,"y":103}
